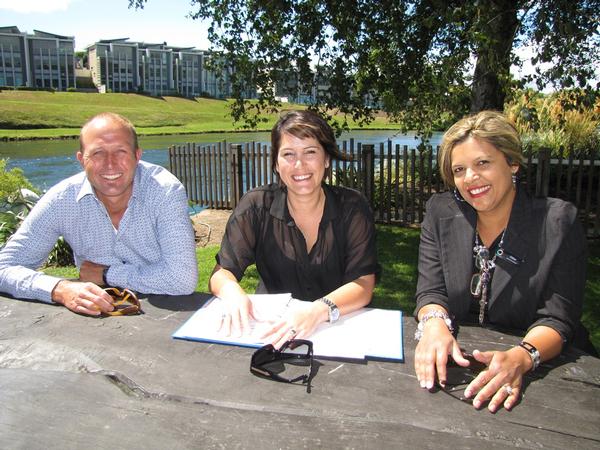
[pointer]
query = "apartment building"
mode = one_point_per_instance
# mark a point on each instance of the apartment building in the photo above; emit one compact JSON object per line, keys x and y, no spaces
{"x":46,"y":60}
{"x":120,"y":65}
{"x":38,"y":60}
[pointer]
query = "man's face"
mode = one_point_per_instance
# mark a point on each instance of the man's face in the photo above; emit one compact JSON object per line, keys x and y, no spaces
{"x":109,"y":160}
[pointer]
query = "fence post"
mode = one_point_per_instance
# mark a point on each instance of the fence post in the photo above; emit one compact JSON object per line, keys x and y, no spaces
{"x":368,"y":166}
{"x":237,"y":172}
{"x":172,"y":167}
{"x":542,"y":175}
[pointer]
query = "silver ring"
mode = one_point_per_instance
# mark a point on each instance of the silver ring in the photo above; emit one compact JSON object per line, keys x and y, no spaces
{"x":508,"y":389}
{"x":294,"y":333}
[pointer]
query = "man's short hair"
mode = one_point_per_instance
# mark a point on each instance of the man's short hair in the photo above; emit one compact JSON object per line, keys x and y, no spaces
{"x":114,"y":117}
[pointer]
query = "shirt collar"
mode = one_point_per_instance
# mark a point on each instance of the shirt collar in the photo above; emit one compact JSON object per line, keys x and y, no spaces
{"x":86,"y":189}
{"x":280,"y":211}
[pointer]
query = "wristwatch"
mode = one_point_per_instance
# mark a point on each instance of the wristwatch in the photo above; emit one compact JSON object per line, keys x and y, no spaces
{"x":334,"y":312}
{"x":534,"y":354}
{"x":435,"y":314}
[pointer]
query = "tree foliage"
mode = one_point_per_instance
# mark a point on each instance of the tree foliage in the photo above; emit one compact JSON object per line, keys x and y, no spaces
{"x":424,"y":62}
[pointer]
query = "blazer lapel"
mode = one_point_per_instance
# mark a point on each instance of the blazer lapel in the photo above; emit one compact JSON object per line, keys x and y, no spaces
{"x":457,"y":231}
{"x":518,"y":234}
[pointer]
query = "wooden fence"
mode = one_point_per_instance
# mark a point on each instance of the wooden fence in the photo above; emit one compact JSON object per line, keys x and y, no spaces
{"x":396,"y":180}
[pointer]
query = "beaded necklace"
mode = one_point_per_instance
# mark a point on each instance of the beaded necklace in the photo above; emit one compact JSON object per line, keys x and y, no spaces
{"x":480,"y":281}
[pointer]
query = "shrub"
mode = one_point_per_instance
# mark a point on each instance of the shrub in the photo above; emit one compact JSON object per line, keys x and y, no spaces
{"x":567,"y":119}
{"x":17,"y":198}
{"x":29,"y":88}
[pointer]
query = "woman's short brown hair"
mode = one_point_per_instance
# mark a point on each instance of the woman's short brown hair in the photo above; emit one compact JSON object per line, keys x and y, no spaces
{"x":303,"y":124}
{"x":490,"y":126}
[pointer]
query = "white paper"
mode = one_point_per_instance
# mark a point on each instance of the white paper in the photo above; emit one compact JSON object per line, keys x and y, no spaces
{"x":365,"y":333}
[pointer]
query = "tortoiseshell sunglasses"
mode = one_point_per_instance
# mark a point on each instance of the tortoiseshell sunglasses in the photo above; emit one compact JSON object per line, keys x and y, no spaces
{"x":125,"y":302}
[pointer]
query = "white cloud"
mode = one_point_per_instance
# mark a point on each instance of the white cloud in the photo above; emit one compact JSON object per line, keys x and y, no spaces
{"x":35,"y":6}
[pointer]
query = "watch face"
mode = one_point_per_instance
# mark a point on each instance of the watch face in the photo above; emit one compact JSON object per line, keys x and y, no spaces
{"x":334,"y":314}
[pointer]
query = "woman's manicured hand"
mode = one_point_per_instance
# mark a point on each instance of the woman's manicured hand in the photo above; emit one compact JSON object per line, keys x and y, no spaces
{"x":237,"y":314}
{"x":299,"y":323}
{"x":431,"y":354}
{"x":501,"y":382}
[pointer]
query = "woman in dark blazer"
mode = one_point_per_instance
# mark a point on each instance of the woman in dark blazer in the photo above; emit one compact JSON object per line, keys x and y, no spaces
{"x":491,"y":253}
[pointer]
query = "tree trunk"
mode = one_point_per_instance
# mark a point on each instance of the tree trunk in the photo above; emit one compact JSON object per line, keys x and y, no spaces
{"x":498,"y":24}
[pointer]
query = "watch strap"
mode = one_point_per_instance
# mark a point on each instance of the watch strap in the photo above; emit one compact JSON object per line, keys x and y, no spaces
{"x":534,"y":354}
{"x":334,"y":312}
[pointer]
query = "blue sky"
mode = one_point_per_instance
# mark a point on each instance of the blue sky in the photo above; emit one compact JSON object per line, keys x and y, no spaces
{"x":89,"y":21}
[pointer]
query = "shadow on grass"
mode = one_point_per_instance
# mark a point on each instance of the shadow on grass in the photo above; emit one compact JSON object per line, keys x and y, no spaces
{"x":398,"y":251}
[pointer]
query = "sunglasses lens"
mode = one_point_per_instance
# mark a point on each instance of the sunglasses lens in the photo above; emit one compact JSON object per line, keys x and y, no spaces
{"x":292,"y":363}
{"x":297,"y":360}
{"x":263,"y":356}
{"x":476,"y":285}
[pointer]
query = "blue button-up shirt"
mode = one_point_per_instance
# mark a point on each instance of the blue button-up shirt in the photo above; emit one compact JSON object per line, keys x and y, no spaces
{"x":152,"y":251}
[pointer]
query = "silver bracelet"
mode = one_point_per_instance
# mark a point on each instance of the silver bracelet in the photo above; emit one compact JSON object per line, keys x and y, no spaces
{"x":435,"y":314}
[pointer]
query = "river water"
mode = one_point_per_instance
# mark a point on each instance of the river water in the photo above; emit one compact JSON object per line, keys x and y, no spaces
{"x":46,"y":162}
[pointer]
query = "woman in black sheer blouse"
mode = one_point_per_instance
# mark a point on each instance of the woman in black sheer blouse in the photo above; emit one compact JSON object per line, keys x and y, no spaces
{"x":306,"y":237}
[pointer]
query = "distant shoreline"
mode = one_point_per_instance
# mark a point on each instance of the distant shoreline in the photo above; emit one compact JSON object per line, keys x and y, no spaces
{"x":140,"y":134}
{"x":143,"y":134}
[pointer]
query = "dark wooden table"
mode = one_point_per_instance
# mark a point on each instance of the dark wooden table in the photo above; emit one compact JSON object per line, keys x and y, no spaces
{"x":70,"y":381}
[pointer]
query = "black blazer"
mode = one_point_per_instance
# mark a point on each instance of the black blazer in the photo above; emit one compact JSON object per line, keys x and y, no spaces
{"x":540,"y":281}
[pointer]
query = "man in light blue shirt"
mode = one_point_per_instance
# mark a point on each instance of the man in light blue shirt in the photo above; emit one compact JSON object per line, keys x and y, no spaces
{"x":126,"y":221}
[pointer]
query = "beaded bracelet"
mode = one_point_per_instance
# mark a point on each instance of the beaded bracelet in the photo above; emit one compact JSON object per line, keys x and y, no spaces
{"x":435,"y":314}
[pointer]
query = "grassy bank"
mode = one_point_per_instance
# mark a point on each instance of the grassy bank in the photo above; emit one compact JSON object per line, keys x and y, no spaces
{"x":398,"y":250}
{"x":47,"y":115}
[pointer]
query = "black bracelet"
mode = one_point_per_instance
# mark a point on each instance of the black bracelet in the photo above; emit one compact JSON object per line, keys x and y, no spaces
{"x":534,"y":354}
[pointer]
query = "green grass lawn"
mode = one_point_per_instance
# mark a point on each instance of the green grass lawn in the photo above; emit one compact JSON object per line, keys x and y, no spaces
{"x":398,"y":251}
{"x":38,"y":114}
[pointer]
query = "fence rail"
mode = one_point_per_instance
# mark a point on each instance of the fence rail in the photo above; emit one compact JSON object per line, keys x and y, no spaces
{"x":396,"y":180}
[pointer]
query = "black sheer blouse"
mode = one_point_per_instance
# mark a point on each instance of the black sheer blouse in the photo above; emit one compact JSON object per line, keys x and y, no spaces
{"x":261,"y":230}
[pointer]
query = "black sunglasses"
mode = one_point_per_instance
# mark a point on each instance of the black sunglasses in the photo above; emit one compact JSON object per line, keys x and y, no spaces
{"x":292,"y":363}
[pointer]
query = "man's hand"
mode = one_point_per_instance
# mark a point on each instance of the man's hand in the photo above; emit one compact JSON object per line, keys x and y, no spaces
{"x":82,"y":297}
{"x":92,"y":272}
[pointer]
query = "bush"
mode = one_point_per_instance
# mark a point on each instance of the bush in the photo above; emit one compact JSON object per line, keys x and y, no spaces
{"x":566,"y":119}
{"x":17,"y":198}
{"x":28,"y":88}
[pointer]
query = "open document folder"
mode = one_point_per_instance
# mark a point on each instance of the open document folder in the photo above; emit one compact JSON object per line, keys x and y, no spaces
{"x":368,"y":333}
